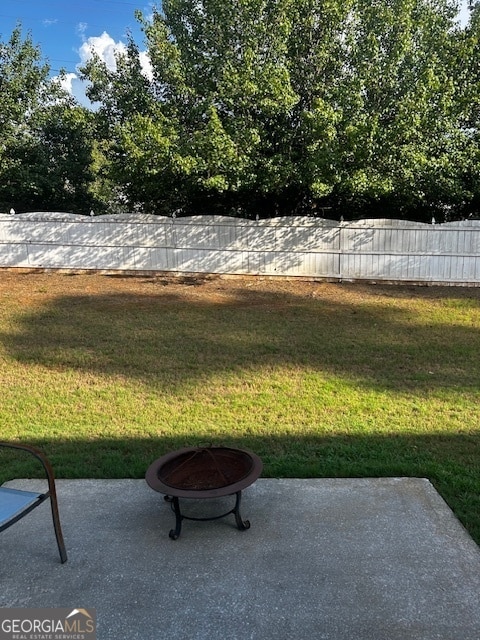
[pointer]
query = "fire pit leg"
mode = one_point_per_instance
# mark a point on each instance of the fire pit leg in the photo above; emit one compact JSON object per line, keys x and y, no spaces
{"x":243,"y":525}
{"x":174,"y":533}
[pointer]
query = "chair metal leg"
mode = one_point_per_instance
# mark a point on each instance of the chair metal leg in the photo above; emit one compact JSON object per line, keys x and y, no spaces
{"x":58,"y":529}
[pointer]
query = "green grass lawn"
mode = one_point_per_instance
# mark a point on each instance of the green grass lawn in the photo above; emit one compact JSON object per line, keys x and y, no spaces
{"x":105,"y":374}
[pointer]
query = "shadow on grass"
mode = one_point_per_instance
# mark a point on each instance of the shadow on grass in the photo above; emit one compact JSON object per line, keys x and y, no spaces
{"x":168,"y":340}
{"x":450,"y":462}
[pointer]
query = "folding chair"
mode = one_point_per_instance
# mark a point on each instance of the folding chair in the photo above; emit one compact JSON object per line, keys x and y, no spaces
{"x":16,"y":503}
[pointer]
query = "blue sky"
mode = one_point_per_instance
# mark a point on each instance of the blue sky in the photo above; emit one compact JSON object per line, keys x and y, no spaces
{"x":61,"y":27}
{"x":67,"y":30}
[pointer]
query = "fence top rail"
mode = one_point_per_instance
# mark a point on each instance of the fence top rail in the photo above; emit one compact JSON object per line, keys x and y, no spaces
{"x":217,"y":220}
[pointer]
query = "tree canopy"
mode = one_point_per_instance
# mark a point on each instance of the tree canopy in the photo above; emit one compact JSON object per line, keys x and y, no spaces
{"x":262,"y":107}
{"x":46,"y":140}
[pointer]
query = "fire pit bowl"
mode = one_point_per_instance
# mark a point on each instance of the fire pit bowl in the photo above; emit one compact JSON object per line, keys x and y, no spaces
{"x":204,"y":472}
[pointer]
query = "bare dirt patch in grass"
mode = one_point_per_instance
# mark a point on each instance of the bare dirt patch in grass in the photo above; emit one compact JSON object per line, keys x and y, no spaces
{"x":36,"y":286}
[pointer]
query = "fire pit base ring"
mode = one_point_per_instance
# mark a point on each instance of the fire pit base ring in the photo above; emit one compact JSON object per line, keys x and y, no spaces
{"x":204,"y":472}
{"x":174,"y":501}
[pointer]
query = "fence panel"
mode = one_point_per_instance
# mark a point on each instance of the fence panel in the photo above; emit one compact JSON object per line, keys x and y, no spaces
{"x":393,"y":250}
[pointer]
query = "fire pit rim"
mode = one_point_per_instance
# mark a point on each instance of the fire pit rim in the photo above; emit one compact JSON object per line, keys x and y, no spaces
{"x":157,"y":484}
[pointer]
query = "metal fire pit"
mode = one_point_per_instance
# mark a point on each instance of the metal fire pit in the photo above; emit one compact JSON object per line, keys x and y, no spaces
{"x":204,"y":472}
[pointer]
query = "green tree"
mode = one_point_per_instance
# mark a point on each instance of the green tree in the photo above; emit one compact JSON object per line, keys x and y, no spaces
{"x":46,"y":142}
{"x":129,"y":153}
{"x":208,"y":123}
{"x":468,"y":105}
{"x":281,"y":105}
{"x":398,"y":136}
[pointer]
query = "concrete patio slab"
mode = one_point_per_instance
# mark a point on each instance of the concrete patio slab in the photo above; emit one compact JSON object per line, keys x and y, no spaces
{"x":324,"y":559}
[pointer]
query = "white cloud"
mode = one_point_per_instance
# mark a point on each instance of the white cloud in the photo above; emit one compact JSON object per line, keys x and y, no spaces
{"x":104,"y":47}
{"x":464,"y":13}
{"x":66,"y":81}
{"x":81,"y":28}
{"x":72,"y":84}
{"x":76,"y":88}
{"x":146,"y":65}
{"x":48,"y":22}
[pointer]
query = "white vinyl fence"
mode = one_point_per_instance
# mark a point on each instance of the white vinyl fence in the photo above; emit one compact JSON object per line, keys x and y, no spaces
{"x":375,"y":250}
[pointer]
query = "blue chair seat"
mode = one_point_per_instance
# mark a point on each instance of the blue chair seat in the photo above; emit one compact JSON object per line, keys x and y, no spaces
{"x":17,"y":503}
{"x":14,"y":501}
